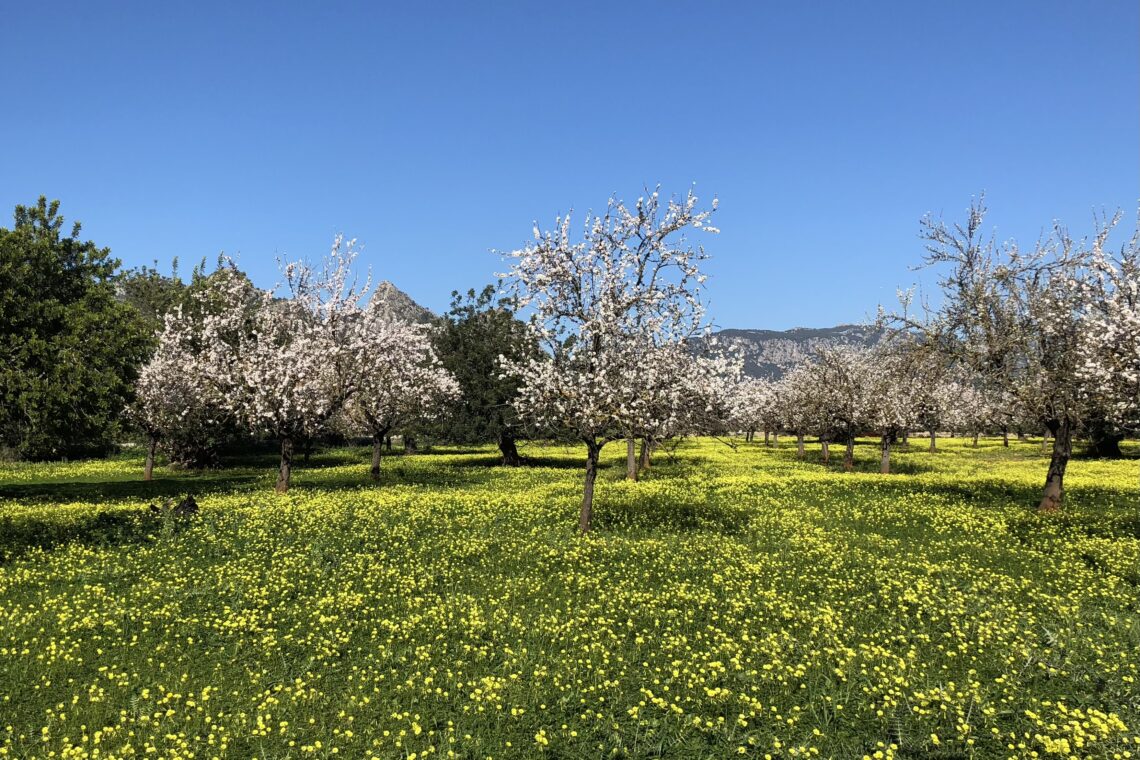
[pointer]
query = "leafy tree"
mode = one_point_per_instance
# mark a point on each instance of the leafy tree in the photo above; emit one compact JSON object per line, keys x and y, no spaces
{"x":477,"y":330}
{"x":70,"y":349}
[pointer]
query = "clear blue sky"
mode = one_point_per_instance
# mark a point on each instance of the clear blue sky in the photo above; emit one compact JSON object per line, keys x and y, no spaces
{"x":435,"y":132}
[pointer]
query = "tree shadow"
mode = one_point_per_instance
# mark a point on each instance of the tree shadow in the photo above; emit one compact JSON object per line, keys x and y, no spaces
{"x":125,"y":490}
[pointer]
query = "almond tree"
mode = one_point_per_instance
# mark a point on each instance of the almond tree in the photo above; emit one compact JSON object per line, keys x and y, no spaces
{"x":290,"y":367}
{"x":399,"y":379}
{"x":603,"y":305}
{"x":1111,"y":340}
{"x":1016,"y":317}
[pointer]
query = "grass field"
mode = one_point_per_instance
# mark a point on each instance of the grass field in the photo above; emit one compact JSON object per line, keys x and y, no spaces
{"x":733,"y":603}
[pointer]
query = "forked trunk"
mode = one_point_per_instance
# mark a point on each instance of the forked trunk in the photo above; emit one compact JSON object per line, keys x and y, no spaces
{"x":849,"y":454}
{"x":825,"y":447}
{"x":933,"y":439}
{"x":885,"y":448}
{"x":800,"y":445}
{"x":286,"y":472}
{"x":377,"y":446}
{"x":148,"y":468}
{"x":630,"y":459}
{"x":643,"y":459}
{"x":1055,"y":481}
{"x":593,"y":449}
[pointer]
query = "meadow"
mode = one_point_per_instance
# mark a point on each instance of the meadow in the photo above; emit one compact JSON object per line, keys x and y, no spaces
{"x":735,"y":602}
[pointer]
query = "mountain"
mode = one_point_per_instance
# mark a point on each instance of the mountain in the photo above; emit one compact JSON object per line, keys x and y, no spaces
{"x":396,"y":304}
{"x":768,"y":353}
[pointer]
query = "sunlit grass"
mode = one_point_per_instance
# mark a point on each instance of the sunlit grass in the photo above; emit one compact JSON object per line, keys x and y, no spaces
{"x":733,"y":602}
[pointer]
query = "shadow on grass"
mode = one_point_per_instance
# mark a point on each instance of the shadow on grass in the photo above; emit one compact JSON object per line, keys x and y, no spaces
{"x":124,"y":490}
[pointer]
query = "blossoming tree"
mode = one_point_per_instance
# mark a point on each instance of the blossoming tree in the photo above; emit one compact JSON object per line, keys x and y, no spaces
{"x":603,"y":307}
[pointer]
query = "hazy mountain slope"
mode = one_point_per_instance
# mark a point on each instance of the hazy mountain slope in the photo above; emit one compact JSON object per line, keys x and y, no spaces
{"x":767,"y":353}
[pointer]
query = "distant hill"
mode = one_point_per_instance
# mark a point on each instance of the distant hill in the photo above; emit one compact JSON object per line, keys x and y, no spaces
{"x":768,"y":353}
{"x":396,"y":304}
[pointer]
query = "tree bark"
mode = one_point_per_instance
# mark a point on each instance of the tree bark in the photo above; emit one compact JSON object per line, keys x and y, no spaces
{"x":1055,"y":481}
{"x":377,"y":446}
{"x":410,"y":444}
{"x":776,"y":438}
{"x":933,"y":439}
{"x":849,"y":454}
{"x":630,"y":459}
{"x":1005,"y":437}
{"x":885,"y":448}
{"x":906,"y":438}
{"x":286,"y":471}
{"x":388,"y":442}
{"x":643,"y":459}
{"x":975,"y":439}
{"x":825,"y":447}
{"x":800,"y":445}
{"x":509,"y":450}
{"x":767,"y":438}
{"x":593,"y":449}
{"x":148,"y":468}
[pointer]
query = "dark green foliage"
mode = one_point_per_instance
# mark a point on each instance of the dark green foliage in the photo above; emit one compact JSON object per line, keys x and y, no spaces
{"x":69,"y":349}
{"x":475,"y":332}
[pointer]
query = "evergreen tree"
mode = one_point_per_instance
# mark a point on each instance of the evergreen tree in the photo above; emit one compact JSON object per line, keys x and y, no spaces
{"x":69,"y":349}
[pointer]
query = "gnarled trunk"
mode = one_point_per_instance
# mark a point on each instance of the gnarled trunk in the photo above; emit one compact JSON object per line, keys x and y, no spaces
{"x":593,"y":450}
{"x":285,"y":473}
{"x":148,"y":468}
{"x":630,"y":459}
{"x":800,"y":445}
{"x":377,"y":447}
{"x":509,"y":451}
{"x":1055,"y":481}
{"x":849,"y":454}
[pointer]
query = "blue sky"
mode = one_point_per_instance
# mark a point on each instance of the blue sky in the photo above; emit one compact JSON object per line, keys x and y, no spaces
{"x":436,"y":132}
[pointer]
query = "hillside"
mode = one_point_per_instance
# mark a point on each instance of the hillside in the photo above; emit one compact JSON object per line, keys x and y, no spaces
{"x":767,"y":353}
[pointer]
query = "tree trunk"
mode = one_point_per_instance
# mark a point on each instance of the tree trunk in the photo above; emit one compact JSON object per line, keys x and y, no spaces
{"x":1104,"y":442}
{"x":509,"y":450}
{"x":767,"y":438}
{"x":593,"y":449}
{"x":933,"y":439}
{"x":377,"y":445}
{"x":308,"y":449}
{"x":1005,"y":437}
{"x":643,"y":459}
{"x":825,"y":447}
{"x":1055,"y":481}
{"x":148,"y":468}
{"x":286,"y":471}
{"x":388,"y":442}
{"x":906,"y":438}
{"x":885,"y":447}
{"x":630,"y":459}
{"x":975,"y":439}
{"x":1045,"y":441}
{"x":849,"y":454}
{"x":409,"y":444}
{"x":776,"y":439}
{"x":800,"y":445}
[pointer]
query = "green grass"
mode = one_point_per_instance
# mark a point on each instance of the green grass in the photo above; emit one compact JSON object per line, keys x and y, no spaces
{"x":733,"y":602}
